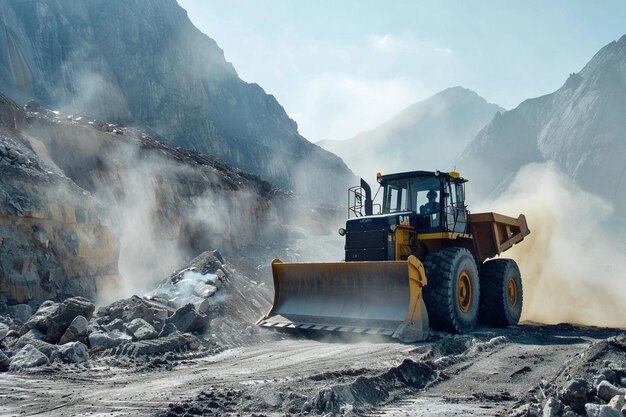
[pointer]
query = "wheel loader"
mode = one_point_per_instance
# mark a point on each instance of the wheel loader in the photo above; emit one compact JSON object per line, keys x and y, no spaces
{"x":418,"y":260}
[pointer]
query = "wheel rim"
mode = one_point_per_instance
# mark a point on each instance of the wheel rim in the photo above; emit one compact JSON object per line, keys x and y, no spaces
{"x":464,"y":292}
{"x":511,"y":291}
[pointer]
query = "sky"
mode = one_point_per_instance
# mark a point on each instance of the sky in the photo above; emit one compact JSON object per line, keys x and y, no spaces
{"x":343,"y":67}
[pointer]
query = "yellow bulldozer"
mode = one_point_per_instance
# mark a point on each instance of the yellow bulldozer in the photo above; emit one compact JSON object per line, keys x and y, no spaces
{"x":422,"y":260}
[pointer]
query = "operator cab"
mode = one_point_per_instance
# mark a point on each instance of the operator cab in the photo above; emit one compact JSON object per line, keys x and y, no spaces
{"x":430,"y":202}
{"x":437,"y":199}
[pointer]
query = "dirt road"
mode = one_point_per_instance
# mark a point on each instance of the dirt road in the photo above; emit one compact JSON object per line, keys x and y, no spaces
{"x":484,"y":373}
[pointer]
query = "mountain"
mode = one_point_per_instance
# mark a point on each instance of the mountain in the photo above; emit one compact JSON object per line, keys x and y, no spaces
{"x":425,"y":136}
{"x":143,"y":63}
{"x":581,"y":128}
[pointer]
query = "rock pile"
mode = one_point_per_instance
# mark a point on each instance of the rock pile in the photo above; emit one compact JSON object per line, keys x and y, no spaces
{"x":594,"y":385}
{"x":72,"y":331}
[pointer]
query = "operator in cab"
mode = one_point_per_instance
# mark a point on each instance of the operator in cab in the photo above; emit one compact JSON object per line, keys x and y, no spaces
{"x":432,"y":206}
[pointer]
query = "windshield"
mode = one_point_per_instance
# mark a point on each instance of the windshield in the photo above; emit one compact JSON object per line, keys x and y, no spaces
{"x":420,"y":195}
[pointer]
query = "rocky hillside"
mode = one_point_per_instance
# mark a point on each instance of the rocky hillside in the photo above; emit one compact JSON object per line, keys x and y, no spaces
{"x":143,"y":62}
{"x":53,"y":240}
{"x":427,"y":135}
{"x":76,"y":192}
{"x":581,"y":127}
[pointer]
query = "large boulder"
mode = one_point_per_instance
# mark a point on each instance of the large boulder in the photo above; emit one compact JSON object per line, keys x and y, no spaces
{"x":106,"y":340}
{"x":187,"y":319}
{"x":54,"y":319}
{"x":35,"y":338}
{"x":141,"y":330}
{"x":28,"y":357}
{"x":73,"y":352}
{"x":76,"y":332}
{"x":607,"y":391}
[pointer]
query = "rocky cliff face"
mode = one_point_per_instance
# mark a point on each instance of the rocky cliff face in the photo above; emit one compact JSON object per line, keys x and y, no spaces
{"x":425,"y":136}
{"x":77,"y":192}
{"x":580,"y":127}
{"x":53,"y":242}
{"x":143,"y":62}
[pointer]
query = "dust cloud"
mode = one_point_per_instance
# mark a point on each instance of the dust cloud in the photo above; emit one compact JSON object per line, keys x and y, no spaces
{"x":572,"y":269}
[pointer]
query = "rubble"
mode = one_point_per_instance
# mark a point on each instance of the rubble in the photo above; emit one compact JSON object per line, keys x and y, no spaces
{"x":53,"y":319}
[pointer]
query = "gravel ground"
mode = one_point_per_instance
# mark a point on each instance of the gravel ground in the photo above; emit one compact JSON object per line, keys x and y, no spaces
{"x":489,"y":372}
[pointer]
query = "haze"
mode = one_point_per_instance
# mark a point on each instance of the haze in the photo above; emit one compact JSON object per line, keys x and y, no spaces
{"x":340,"y":68}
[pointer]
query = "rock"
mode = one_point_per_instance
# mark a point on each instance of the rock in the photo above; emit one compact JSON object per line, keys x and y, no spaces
{"x":73,"y":352}
{"x":609,"y":374}
{"x":617,"y":402}
{"x":172,"y":343}
{"x":4,"y":329}
{"x":168,"y":329}
{"x":622,"y":382}
{"x":22,"y":312}
{"x":54,"y":319}
{"x":552,"y":408}
{"x":306,"y":407}
{"x":218,"y":256}
{"x":32,"y":334}
{"x":597,"y":410}
{"x":4,"y":362}
{"x":204,"y":290}
{"x":108,"y":340}
{"x":28,"y":357}
{"x":606,"y":391}
{"x":569,"y":414}
{"x":76,"y":332}
{"x":575,"y":394}
{"x":201,"y":304}
{"x":117,"y":324}
{"x":141,"y":330}
{"x":131,"y":308}
{"x":36,"y":339}
{"x":38,"y":320}
{"x":187,"y":319}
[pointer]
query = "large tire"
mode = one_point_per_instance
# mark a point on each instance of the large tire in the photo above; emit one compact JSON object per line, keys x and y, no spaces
{"x":452,"y":293}
{"x":501,"y":295}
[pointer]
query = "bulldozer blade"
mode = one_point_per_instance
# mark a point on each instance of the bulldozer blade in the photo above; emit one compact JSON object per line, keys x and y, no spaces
{"x":364,"y":297}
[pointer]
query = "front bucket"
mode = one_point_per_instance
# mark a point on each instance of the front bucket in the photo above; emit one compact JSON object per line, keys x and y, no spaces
{"x":363,"y":297}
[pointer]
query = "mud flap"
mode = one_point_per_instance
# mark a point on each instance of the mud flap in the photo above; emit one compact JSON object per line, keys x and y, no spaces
{"x":363,"y":297}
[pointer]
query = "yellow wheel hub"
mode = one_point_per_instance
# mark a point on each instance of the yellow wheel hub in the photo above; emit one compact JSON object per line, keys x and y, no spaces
{"x":464,"y":291}
{"x":511,"y":291}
